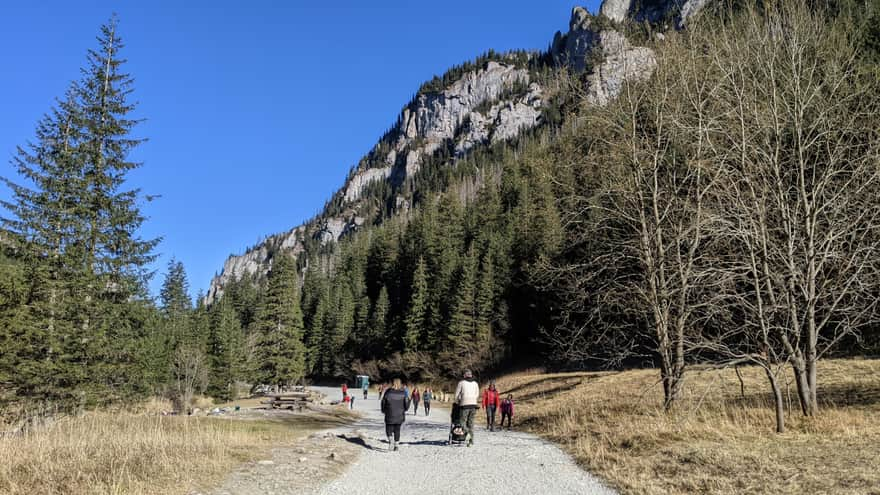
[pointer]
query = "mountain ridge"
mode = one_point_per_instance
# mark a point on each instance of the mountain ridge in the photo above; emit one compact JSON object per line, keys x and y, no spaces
{"x":492,"y":99}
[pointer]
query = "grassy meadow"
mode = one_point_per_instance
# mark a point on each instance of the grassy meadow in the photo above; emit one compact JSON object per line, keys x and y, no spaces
{"x":141,"y":453}
{"x":719,"y":439}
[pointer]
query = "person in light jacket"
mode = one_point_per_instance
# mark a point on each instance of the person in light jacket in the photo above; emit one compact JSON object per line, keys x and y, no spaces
{"x":467,"y":396}
{"x":395,"y":403}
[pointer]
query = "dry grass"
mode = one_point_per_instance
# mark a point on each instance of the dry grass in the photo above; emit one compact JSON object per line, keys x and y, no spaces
{"x":122,"y":452}
{"x":718,"y":440}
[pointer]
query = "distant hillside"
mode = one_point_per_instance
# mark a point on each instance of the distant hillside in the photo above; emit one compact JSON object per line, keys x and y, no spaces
{"x":490,"y":100}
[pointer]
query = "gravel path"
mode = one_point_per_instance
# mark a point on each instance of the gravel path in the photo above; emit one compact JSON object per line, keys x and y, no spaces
{"x":507,"y":462}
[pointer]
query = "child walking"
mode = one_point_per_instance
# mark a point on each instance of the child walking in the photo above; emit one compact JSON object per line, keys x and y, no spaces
{"x":507,"y":411}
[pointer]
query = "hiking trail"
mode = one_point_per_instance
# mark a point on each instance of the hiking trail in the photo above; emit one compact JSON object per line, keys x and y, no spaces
{"x":509,"y":462}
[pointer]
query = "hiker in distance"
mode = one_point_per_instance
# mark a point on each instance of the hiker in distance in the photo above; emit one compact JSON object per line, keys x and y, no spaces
{"x":492,"y":402}
{"x":427,"y":397}
{"x":394,"y":404}
{"x":416,"y":397}
{"x":467,"y":396}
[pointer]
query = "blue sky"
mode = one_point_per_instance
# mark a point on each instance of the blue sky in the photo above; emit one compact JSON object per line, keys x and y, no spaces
{"x":255,"y":110}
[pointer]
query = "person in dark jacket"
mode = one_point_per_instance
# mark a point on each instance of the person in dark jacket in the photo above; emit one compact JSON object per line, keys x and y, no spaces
{"x":395,"y":403}
{"x":427,"y":397}
{"x":507,"y":411}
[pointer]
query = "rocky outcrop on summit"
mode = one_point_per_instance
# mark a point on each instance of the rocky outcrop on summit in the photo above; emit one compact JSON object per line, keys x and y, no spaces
{"x":434,"y":119}
{"x":651,"y":11}
{"x":609,"y":56}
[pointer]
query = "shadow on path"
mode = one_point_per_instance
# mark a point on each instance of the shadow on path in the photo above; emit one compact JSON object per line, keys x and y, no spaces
{"x":425,"y":442}
{"x":357,"y":441}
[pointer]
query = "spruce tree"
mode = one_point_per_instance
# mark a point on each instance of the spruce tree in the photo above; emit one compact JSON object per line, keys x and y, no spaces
{"x":176,"y":305}
{"x":316,"y":341}
{"x":225,"y":351}
{"x":80,"y":228}
{"x":462,"y":324}
{"x":379,"y":315}
{"x":341,"y":327}
{"x":281,"y":356}
{"x":485,"y":303}
{"x":415,"y":317}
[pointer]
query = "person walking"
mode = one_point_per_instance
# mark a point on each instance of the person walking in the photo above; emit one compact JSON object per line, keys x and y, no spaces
{"x":507,"y":411}
{"x":492,"y":402}
{"x":395,"y":403}
{"x":365,"y":385}
{"x":416,"y":397}
{"x":351,"y":401}
{"x":467,"y":396}
{"x":344,"y":392}
{"x":427,"y":397}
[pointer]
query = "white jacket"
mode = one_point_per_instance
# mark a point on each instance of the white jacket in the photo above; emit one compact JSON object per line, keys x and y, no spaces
{"x":467,"y":393}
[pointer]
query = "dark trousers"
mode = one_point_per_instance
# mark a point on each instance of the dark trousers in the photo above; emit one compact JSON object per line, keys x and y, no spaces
{"x":365,"y":394}
{"x":393,"y":430}
{"x":416,"y":407}
{"x":490,"y":416}
{"x":508,"y":416}
{"x":427,"y":407}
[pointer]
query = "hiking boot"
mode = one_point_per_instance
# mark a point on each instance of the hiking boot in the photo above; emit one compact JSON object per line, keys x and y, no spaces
{"x":390,"y":443}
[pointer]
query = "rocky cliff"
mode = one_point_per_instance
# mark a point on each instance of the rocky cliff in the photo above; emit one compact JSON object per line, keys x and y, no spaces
{"x":492,"y":101}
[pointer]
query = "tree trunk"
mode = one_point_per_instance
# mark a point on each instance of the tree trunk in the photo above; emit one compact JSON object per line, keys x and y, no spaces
{"x":811,"y":382}
{"x":803,"y":386}
{"x":777,"y":400}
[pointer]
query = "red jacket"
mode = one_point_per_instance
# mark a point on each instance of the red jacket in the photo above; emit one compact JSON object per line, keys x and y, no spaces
{"x":491,"y":398}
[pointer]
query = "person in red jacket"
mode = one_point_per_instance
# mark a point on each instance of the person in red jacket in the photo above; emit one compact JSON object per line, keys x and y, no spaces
{"x":492,"y":402}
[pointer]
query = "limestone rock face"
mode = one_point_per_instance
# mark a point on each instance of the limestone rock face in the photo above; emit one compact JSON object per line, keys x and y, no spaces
{"x":690,"y":9}
{"x":616,"y":10}
{"x":236,"y":267}
{"x":363,"y":177}
{"x":621,"y":63}
{"x":436,"y":118}
{"x":580,"y":40}
{"x":680,"y":10}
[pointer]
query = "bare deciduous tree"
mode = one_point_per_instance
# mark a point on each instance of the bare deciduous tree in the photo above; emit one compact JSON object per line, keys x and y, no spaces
{"x":801,"y":179}
{"x":190,"y":373}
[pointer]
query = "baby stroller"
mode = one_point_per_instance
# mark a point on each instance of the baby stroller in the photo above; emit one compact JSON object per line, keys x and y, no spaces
{"x":457,"y":435}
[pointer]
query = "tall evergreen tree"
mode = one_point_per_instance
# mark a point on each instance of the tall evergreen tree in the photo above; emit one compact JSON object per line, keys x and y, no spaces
{"x":225,"y":351}
{"x":415,"y":317}
{"x":459,"y":348}
{"x":379,"y":315}
{"x":281,"y":356}
{"x":80,"y":227}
